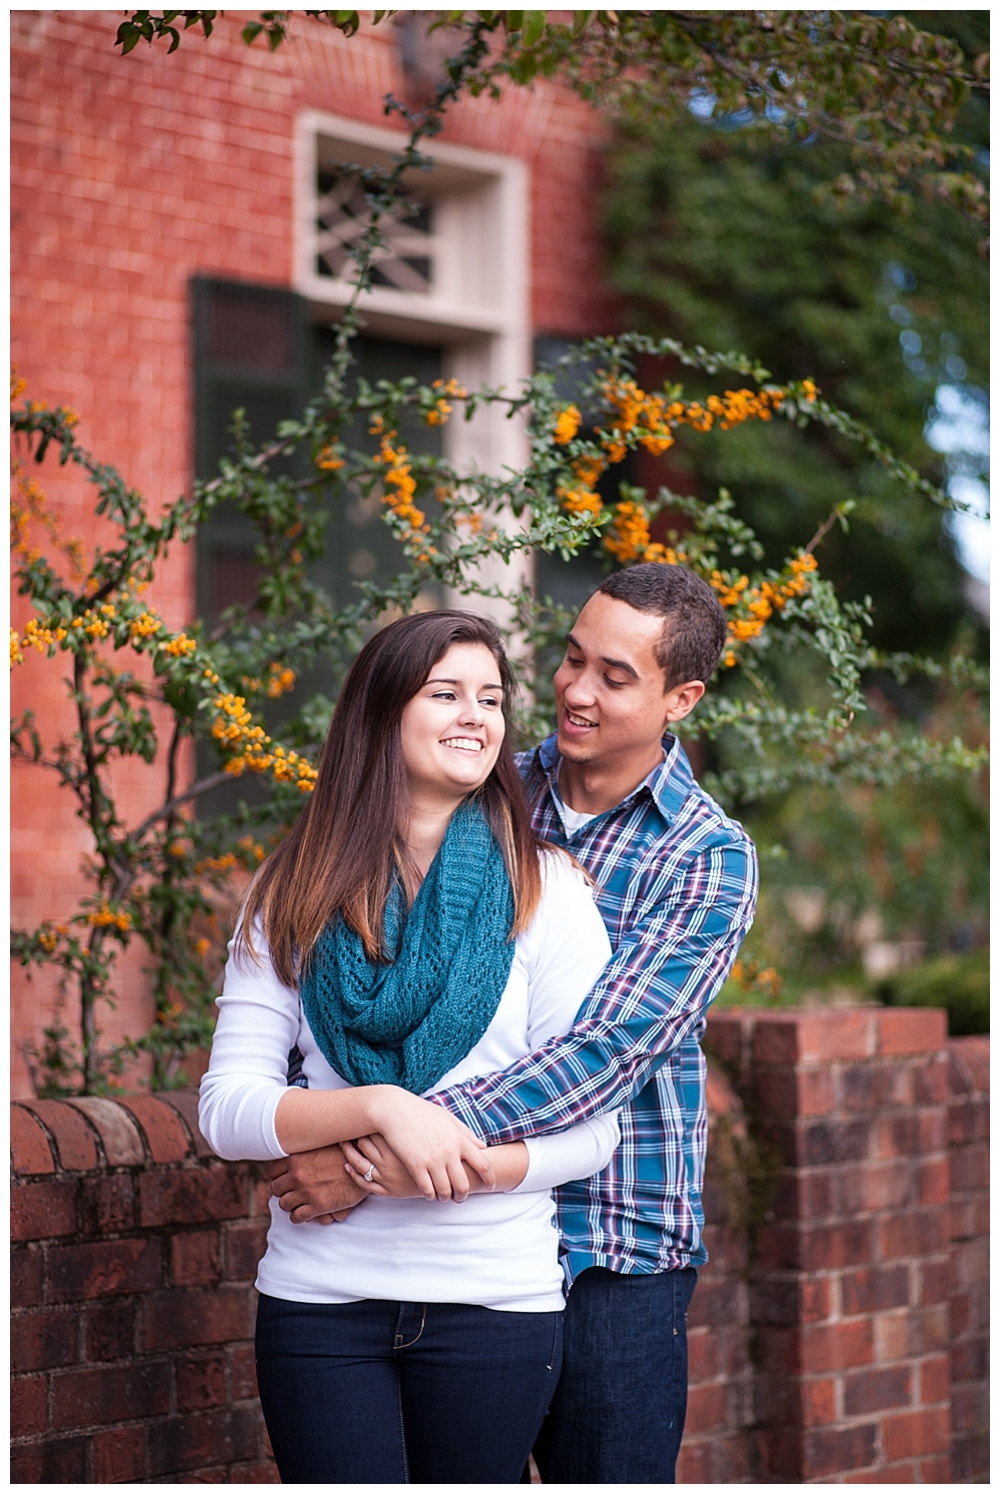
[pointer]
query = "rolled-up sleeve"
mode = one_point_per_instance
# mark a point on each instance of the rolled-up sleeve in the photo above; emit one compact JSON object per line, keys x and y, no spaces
{"x":671,"y":963}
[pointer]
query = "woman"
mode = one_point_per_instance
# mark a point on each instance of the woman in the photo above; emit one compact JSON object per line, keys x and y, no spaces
{"x":407,"y":934}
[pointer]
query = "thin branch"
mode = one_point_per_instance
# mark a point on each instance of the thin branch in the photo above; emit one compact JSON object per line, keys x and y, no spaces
{"x":18,"y":754}
{"x":822,"y":532}
{"x":175,"y":742}
{"x":94,"y":799}
{"x":165,"y":810}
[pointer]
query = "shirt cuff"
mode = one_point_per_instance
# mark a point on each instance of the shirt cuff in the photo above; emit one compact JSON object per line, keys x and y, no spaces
{"x":456,"y":1103}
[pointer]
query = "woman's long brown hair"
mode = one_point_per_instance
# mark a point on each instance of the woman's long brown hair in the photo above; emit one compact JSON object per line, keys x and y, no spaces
{"x":343,"y":850}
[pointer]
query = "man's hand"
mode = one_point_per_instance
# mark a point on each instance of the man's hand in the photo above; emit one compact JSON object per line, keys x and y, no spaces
{"x":314,"y":1186}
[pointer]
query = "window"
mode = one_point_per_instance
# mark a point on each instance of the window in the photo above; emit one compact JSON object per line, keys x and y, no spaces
{"x":453,"y":276}
{"x":449,"y":299}
{"x":255,"y":348}
{"x":459,"y":263}
{"x":406,"y":263}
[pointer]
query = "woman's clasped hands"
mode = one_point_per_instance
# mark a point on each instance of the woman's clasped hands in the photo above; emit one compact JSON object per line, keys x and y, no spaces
{"x":373,"y":1165}
{"x":418,"y":1150}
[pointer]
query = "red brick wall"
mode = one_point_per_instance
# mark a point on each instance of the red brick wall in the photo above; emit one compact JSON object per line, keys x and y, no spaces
{"x":128,"y":176}
{"x":855,"y":1276}
{"x":850,"y":1348}
{"x":968,"y":1155}
{"x":716,"y":1445}
{"x":132,"y":1301}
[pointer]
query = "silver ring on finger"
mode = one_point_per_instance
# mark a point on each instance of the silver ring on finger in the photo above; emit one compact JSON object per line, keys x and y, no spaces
{"x":369,"y":1174}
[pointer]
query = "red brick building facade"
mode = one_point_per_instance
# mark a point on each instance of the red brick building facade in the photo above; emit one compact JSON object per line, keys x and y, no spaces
{"x":131,"y":178}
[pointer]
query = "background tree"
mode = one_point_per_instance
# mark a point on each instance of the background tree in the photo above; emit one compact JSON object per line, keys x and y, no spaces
{"x":724,"y":234}
{"x":728,"y":237}
{"x":878,"y":84}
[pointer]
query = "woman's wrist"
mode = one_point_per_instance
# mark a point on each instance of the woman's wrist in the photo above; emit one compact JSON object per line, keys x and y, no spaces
{"x":510,"y":1164}
{"x":383,"y":1104}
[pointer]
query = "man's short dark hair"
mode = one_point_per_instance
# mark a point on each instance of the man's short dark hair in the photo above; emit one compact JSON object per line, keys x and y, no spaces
{"x":694,"y":624}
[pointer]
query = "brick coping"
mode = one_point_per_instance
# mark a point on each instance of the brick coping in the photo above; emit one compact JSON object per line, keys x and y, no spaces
{"x":96,"y":1134}
{"x":85,"y":1134}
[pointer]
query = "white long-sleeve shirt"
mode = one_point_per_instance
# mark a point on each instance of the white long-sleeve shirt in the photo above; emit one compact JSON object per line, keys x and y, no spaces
{"x":496,"y":1250}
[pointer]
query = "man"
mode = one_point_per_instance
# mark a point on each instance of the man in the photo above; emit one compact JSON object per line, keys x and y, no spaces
{"x":676,"y":884}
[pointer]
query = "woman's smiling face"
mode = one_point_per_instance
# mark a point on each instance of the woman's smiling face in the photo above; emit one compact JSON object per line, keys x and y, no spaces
{"x":453,"y":728}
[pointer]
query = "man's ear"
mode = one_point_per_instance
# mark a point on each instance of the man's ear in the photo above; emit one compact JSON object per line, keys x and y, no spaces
{"x":682,"y":699}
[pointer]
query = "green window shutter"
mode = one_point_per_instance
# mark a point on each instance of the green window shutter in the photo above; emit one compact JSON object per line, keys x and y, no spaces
{"x":256,"y":348}
{"x":251,"y":351}
{"x":359,"y":547}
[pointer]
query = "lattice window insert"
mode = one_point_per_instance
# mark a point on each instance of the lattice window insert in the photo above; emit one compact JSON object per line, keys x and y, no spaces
{"x":405,"y":263}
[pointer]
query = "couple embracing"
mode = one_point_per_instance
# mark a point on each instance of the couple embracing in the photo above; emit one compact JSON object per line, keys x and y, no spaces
{"x":462,"y":1017}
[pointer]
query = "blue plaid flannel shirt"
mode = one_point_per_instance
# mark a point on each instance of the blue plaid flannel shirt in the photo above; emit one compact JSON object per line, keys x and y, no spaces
{"x":676,"y":887}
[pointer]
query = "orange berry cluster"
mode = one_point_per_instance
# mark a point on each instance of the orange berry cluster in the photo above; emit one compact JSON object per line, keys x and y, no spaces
{"x":628,"y":538}
{"x":649,"y":414}
{"x":144,"y":626}
{"x":649,"y":420}
{"x":441,"y":409}
{"x":758,"y":603}
{"x":654,"y":416}
{"x":580,"y":500}
{"x":96,"y":624}
{"x":328,"y":460}
{"x":280,"y":680}
{"x":216,"y":863}
{"x":105,"y":917}
{"x":252,"y":847}
{"x":400,"y":485}
{"x":34,"y":507}
{"x":751,"y":977}
{"x":40,"y":637}
{"x":180,"y":646}
{"x":235,"y":732}
{"x":567,"y":425}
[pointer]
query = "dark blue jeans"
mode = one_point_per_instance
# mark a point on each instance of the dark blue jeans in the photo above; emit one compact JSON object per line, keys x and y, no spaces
{"x":403,"y":1392}
{"x":618,"y":1412}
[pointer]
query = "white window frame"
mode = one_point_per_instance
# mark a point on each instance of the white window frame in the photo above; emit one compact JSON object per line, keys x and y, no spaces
{"x":477,"y":308}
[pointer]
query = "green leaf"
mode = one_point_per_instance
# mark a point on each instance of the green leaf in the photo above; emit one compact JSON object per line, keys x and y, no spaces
{"x":347,"y":21}
{"x":534,"y":26}
{"x":128,"y":37}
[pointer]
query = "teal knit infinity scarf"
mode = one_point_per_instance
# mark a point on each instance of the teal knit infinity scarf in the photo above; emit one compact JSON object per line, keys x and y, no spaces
{"x":410,"y":1022}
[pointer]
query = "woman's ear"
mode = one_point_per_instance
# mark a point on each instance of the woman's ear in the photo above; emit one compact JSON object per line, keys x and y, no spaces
{"x":682,"y":699}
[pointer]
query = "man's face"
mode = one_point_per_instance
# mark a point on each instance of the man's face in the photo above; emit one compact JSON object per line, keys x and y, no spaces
{"x":609,"y":687}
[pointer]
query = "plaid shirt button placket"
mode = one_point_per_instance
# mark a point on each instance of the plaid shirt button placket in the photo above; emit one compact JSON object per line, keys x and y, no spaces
{"x":676,"y":885}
